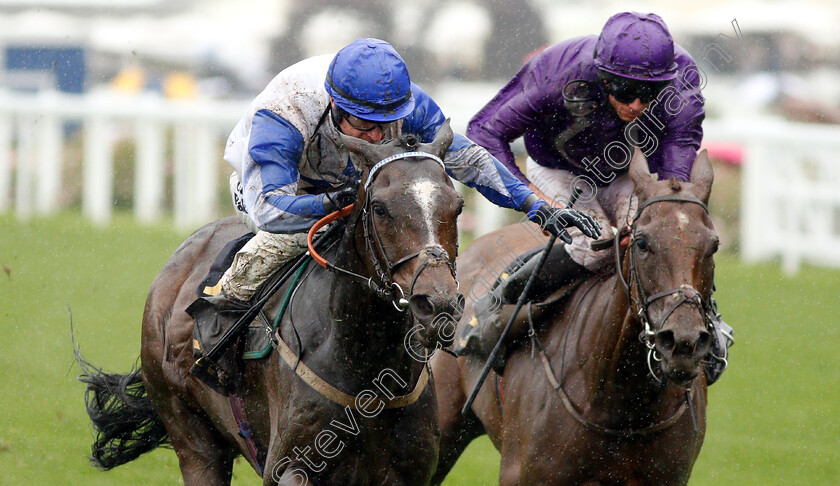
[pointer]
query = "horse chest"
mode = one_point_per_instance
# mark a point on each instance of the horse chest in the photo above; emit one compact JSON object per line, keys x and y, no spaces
{"x":342,"y":445}
{"x":577,"y":456}
{"x":574,"y":454}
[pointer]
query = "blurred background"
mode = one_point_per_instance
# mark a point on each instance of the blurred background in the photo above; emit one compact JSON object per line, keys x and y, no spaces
{"x":114,"y":114}
{"x":125,"y":105}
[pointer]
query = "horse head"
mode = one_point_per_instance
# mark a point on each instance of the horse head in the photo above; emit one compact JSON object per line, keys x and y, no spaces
{"x":671,"y":268}
{"x":409,"y":208}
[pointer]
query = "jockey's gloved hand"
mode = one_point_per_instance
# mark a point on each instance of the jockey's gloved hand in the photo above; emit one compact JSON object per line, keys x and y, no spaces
{"x":340,"y":199}
{"x":555,"y":221}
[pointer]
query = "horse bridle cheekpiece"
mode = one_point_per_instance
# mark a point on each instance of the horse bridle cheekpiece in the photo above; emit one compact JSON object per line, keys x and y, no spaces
{"x":387,"y":288}
{"x":435,"y":254}
{"x":686,"y":293}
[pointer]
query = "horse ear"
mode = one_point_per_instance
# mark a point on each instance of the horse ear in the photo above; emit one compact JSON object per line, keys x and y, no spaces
{"x":702,"y":176}
{"x":640,"y":173}
{"x":370,"y":152}
{"x":442,"y":141}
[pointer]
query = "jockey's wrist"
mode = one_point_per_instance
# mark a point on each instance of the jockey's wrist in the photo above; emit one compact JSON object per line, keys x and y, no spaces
{"x":535,"y":208}
{"x":329,"y":205}
{"x":531,"y":204}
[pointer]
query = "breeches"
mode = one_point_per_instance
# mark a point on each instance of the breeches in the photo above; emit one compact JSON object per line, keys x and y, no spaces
{"x":261,"y":256}
{"x":612,"y":205}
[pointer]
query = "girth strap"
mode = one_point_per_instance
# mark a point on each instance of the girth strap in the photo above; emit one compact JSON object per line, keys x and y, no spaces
{"x":337,"y":396}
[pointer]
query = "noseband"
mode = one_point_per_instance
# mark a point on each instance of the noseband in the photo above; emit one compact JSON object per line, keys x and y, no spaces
{"x":686,"y":293}
{"x":387,"y":288}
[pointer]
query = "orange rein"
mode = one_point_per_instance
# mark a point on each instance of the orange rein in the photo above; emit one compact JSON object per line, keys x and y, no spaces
{"x":320,"y":224}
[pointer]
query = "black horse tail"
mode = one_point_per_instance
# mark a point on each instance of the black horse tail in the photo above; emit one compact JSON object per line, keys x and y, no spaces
{"x":125,"y":422}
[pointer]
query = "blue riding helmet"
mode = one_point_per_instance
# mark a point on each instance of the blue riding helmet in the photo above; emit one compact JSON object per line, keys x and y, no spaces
{"x":636,"y":46}
{"x":368,"y":79}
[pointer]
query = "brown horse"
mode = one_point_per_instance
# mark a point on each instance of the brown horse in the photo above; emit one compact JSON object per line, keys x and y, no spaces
{"x":610,"y":391}
{"x":344,"y":401}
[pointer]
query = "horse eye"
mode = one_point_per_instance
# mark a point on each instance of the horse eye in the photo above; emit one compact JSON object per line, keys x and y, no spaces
{"x":379,"y":210}
{"x":460,"y":209}
{"x":641,"y":244}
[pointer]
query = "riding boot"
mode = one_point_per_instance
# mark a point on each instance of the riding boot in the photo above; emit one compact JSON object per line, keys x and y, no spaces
{"x":493,"y":310}
{"x":213,"y":317}
{"x":723,"y":338}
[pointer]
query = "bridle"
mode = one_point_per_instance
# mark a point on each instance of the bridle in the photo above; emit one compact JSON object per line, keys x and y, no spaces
{"x":686,"y":293}
{"x":386,"y":288}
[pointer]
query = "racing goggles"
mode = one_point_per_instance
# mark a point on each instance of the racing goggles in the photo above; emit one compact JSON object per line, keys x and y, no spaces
{"x":363,"y":125}
{"x":626,"y":90}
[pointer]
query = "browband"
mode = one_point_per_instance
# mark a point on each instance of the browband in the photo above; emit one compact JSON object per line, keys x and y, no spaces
{"x":405,"y":155}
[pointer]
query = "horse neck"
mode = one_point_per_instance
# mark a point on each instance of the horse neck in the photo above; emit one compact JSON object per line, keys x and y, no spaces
{"x":368,"y":331}
{"x":613,"y":359}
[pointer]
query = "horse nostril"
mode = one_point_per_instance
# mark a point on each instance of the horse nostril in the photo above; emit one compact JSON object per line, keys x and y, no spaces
{"x":704,"y":343}
{"x":422,"y":307}
{"x":458,"y":309}
{"x":665,"y":340}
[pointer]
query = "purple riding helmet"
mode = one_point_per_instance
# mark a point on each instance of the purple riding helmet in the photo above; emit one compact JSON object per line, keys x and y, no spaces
{"x":636,"y":46}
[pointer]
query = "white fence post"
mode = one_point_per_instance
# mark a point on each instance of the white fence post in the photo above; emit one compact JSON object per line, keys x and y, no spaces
{"x":49,"y":163}
{"x":205,"y":173}
{"x":183,"y":176}
{"x":489,"y":217}
{"x":752,"y":180}
{"x":5,"y":161}
{"x":149,"y":174}
{"x":25,"y":166}
{"x":98,"y":170}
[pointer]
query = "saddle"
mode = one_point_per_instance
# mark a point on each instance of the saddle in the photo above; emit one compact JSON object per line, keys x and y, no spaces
{"x":255,"y":342}
{"x":223,"y":329}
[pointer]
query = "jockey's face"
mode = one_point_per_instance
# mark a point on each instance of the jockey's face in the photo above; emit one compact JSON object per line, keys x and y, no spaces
{"x":368,"y":131}
{"x":628,"y":111}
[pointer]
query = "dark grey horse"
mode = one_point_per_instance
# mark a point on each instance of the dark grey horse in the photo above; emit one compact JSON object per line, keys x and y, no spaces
{"x":355,"y":409}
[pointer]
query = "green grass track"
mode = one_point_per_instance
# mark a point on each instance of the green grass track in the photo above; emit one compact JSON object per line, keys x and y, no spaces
{"x":774,"y":418}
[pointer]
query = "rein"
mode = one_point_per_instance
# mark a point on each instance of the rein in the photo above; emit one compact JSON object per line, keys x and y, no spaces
{"x":387,"y":288}
{"x":573,"y":411}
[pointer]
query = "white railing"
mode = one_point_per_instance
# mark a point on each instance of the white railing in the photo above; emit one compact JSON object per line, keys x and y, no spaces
{"x":31,"y":151}
{"x":790,"y":182}
{"x":790,"y":201}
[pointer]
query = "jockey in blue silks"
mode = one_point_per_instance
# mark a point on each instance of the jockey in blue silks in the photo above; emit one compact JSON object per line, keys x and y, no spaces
{"x":290,"y":168}
{"x":582,"y":106}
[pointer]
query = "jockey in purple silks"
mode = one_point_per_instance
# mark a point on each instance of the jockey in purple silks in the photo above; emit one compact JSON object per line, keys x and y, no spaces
{"x":582,"y":107}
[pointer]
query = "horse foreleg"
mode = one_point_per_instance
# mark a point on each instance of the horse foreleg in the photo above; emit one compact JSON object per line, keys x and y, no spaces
{"x":291,"y":477}
{"x":456,"y":430}
{"x":284,"y":472}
